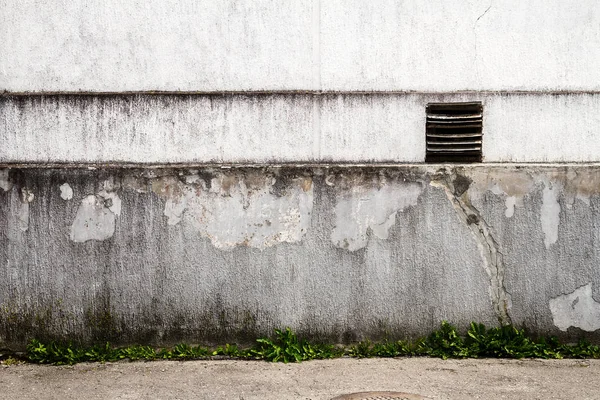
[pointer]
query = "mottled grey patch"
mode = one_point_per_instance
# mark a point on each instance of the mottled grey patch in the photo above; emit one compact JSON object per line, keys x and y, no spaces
{"x":94,"y":221}
{"x":66,"y":193}
{"x":5,"y":183}
{"x":240,"y":209}
{"x":550,"y":213}
{"x":365,"y":207}
{"x":576,"y":309}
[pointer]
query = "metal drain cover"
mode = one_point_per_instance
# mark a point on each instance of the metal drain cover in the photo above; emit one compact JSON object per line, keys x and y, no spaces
{"x":379,"y":396}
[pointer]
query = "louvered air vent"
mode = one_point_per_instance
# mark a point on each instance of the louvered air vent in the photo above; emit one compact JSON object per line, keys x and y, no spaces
{"x":454,"y":132}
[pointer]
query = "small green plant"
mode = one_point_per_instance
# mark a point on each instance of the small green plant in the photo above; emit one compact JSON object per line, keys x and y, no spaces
{"x":101,"y":353}
{"x":445,"y":343}
{"x":392,"y":349}
{"x":361,"y":350}
{"x":54,"y":353}
{"x":11,"y":361}
{"x":186,"y":352}
{"x":285,"y":346}
{"x":583,"y":349}
{"x":132,"y":353}
{"x":37,"y":352}
{"x":229,"y":350}
{"x":508,"y":342}
{"x":323,"y":351}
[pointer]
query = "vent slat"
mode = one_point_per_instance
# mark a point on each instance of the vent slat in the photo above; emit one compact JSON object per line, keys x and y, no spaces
{"x":454,"y":150}
{"x":450,"y":124}
{"x":454,"y":121}
{"x":461,"y":143}
{"x":454,"y":126}
{"x":454,"y":132}
{"x":453,"y":135}
{"x":453,"y":117}
{"x":455,"y":108}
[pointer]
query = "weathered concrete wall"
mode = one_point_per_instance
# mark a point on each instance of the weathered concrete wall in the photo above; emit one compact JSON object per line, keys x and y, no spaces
{"x":286,"y":128}
{"x":162,"y":255}
{"x":340,"y":45}
{"x":158,"y":255}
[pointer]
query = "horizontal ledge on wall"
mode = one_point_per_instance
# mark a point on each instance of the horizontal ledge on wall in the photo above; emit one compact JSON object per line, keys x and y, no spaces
{"x":93,"y":166}
{"x":297,"y":92}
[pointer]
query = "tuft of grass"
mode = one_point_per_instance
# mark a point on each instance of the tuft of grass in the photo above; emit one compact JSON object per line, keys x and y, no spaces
{"x":285,"y":346}
{"x":229,"y":350}
{"x":583,"y":349}
{"x":363,"y":349}
{"x":444,"y":343}
{"x":11,"y":361}
{"x":400,"y":348}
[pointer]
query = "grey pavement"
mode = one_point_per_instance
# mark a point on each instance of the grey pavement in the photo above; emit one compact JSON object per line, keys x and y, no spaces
{"x":227,"y":379}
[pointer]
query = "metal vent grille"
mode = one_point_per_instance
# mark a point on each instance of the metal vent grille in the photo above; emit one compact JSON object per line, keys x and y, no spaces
{"x":454,"y":132}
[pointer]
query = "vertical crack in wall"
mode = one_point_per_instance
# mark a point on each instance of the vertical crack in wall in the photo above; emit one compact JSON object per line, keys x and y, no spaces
{"x":455,"y":187}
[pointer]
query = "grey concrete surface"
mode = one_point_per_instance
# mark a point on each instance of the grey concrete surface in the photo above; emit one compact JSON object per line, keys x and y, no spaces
{"x":432,"y":378}
{"x":338,"y":254}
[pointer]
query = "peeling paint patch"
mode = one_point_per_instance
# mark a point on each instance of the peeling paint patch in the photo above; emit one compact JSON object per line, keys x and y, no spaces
{"x":363,"y":208}
{"x":500,"y":180}
{"x":550,"y":214}
{"x":174,"y":208}
{"x":513,"y":184}
{"x":240,"y":209}
{"x":577,"y":309}
{"x":583,"y":198}
{"x":5,"y":183}
{"x":497,"y":190}
{"x":577,"y":184}
{"x":94,"y":220}
{"x":509,"y":202}
{"x":66,"y":193}
{"x":510,"y":206}
{"x":112,"y":200}
{"x":23,"y":216}
{"x":27,"y":196}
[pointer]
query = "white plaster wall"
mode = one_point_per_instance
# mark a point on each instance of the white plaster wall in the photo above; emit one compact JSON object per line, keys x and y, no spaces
{"x":440,"y":45}
{"x":126,"y":45}
{"x":338,"y":45}
{"x":533,"y":128}
{"x":355,"y":128}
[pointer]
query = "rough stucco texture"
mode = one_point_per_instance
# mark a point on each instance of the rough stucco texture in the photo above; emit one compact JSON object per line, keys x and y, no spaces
{"x":156,"y":256}
{"x":342,"y":45}
{"x":268,"y":128}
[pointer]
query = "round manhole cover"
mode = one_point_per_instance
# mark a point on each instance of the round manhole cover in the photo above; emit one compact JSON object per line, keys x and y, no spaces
{"x":379,"y":396}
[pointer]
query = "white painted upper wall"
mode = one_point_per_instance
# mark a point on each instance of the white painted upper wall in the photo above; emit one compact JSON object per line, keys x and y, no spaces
{"x":333,"y":45}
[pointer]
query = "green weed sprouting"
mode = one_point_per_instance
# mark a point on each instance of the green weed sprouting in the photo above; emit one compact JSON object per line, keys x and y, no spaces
{"x":285,"y":346}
